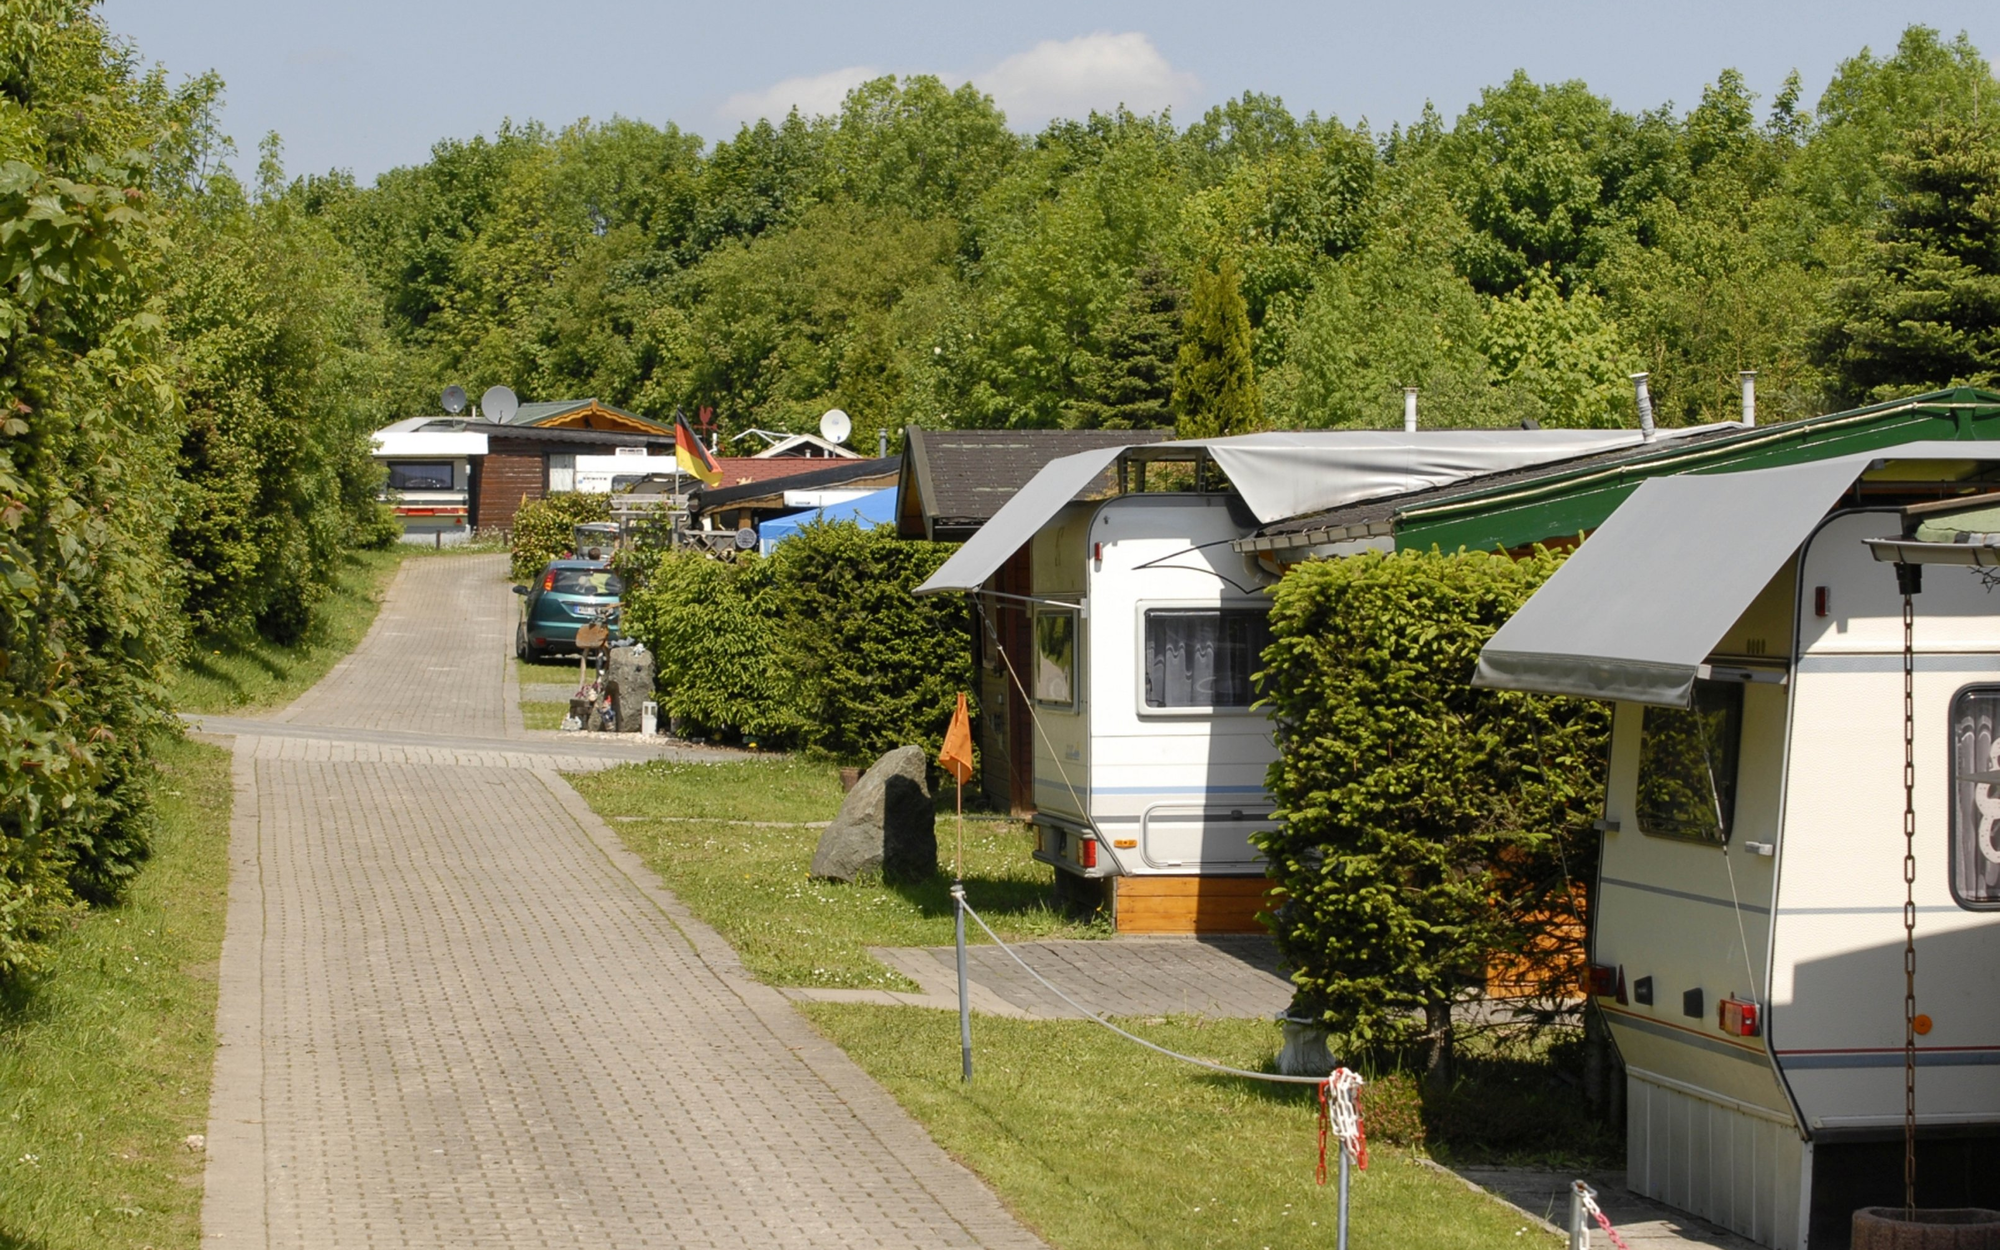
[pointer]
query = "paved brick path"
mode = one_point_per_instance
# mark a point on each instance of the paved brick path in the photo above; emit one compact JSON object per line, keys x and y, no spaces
{"x":457,"y":1012}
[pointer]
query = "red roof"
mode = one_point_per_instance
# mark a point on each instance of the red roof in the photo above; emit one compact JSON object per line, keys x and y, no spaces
{"x":743,"y":470}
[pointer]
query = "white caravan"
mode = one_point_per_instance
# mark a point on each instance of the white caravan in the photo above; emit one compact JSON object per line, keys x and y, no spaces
{"x":429,"y":463}
{"x":1146,"y":629}
{"x":1149,"y":761}
{"x":1747,"y":947}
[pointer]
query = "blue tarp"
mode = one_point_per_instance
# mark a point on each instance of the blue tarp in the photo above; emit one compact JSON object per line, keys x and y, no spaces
{"x":870,"y":510}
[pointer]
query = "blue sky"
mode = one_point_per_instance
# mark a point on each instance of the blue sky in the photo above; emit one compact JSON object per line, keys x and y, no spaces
{"x":367,"y":85}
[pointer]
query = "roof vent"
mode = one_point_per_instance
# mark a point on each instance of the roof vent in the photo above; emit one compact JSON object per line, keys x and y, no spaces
{"x":1409,"y":410}
{"x":1645,"y":401}
{"x":1749,"y":379}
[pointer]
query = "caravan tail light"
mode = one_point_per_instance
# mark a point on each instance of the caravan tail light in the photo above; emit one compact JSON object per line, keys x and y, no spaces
{"x":1086,"y":852}
{"x":1602,"y":980}
{"x":1737,"y":1017}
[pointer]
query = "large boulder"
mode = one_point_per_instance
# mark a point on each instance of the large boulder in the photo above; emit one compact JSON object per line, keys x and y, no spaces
{"x":628,"y":679}
{"x":886,"y":824}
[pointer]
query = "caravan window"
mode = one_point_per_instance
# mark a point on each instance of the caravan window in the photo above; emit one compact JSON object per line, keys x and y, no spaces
{"x":1687,"y":765}
{"x":1203,"y":658}
{"x":1975,"y":797}
{"x":1055,"y":656}
{"x":562,"y":472}
{"x":409,"y":475}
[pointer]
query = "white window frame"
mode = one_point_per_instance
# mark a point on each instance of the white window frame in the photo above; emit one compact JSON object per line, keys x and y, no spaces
{"x":1147,"y":710}
{"x":1075,"y":617}
{"x":1957,"y":833}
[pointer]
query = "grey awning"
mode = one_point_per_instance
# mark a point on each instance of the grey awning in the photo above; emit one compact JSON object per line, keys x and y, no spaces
{"x":1019,"y":519}
{"x":1635,"y":612}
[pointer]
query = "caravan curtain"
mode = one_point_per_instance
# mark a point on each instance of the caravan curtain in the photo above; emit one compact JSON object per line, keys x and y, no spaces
{"x":1200,"y":658}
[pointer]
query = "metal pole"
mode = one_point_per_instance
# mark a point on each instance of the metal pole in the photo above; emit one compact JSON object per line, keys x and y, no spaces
{"x":1579,"y":1230}
{"x":964,"y":1004}
{"x":1341,"y":1237}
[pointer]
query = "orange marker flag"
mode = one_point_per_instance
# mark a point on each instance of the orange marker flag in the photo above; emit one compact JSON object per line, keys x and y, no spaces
{"x":956,"y":757}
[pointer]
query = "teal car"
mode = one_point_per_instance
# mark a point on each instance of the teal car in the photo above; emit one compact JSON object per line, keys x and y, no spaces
{"x":565,"y":596}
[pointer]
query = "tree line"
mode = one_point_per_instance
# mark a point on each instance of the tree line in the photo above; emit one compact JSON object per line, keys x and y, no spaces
{"x":912,"y":259}
{"x":189,"y":370}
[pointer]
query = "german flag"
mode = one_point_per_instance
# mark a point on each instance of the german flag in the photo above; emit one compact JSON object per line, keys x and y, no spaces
{"x":694,"y":459}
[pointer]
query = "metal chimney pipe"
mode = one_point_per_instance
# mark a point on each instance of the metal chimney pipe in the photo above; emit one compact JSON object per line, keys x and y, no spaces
{"x":1749,"y":379}
{"x":1645,"y":401}
{"x":881,"y":444}
{"x":1409,"y":410}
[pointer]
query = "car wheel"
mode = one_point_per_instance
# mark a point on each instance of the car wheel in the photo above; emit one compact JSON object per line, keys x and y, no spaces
{"x":521,"y":649}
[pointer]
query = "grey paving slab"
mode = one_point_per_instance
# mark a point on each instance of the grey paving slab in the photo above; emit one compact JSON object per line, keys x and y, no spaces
{"x":1221,"y":977}
{"x":1642,"y":1222}
{"x":456,"y":1011}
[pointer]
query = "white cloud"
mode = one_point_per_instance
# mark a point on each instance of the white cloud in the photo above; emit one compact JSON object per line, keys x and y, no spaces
{"x":1070,"y":77}
{"x":811,"y":94}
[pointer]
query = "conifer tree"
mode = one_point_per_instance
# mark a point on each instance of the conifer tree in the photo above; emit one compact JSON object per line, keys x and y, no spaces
{"x":1129,"y":385}
{"x":1215,"y":383}
{"x":1921,"y":310}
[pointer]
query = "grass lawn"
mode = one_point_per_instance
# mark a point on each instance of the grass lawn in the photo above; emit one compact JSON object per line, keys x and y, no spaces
{"x":1101,"y":1145}
{"x":240,"y":671}
{"x":750,"y":882}
{"x":538,"y":715}
{"x":104,"y":1069}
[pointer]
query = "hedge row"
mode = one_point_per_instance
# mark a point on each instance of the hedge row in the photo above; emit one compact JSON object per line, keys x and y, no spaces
{"x":821,"y":645}
{"x":543,"y":527}
{"x":1429,"y":829}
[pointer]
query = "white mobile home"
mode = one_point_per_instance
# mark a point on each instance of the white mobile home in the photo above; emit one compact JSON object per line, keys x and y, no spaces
{"x":430,"y":465}
{"x":1747,"y":941}
{"x":1144,"y":627}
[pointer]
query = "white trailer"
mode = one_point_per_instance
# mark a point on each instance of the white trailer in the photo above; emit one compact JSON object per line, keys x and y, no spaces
{"x":429,"y":463}
{"x":1146,"y":629}
{"x":1747,"y":941}
{"x":1149,"y":760}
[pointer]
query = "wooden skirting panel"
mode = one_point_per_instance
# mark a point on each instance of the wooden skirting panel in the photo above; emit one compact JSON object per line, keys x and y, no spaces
{"x":1188,"y":904}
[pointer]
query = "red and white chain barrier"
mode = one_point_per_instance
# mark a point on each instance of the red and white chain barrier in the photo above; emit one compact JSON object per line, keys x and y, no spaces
{"x":1340,"y":1118}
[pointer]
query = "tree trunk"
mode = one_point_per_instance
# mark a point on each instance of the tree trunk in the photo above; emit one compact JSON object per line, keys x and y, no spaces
{"x":1438,"y":1064}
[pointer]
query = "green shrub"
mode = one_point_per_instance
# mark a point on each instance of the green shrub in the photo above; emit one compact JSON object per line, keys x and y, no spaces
{"x":876,"y":666}
{"x":821,"y":645}
{"x":88,"y":598}
{"x":543,"y":527}
{"x":715,"y":635}
{"x":1429,"y":829}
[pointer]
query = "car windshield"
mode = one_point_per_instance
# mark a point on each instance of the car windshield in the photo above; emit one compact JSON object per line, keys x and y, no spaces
{"x":596,"y":583}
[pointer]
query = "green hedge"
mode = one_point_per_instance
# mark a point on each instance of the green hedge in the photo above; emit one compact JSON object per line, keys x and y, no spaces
{"x":1429,"y":829}
{"x":821,"y":645}
{"x":543,"y":527}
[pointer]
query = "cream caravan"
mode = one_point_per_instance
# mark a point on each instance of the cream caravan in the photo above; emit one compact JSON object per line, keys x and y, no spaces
{"x":1748,"y":939}
{"x":1145,"y":627}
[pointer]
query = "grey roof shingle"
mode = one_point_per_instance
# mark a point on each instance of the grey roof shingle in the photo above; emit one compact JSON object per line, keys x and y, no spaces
{"x":963,"y":477}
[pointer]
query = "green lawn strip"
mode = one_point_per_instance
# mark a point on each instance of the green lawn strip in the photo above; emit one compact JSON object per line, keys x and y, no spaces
{"x":538,"y":715}
{"x":104,"y":1068}
{"x":1100,"y":1144}
{"x":556,"y":670}
{"x":751,"y":883}
{"x":241,"y":671}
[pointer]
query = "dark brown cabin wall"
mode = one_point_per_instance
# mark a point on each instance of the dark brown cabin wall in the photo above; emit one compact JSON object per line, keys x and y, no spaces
{"x":512,"y":473}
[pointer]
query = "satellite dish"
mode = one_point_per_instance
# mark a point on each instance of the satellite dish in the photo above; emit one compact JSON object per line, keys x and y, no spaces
{"x":454,"y":399}
{"x":834,"y":427}
{"x":499,"y":404}
{"x":746,"y":538}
